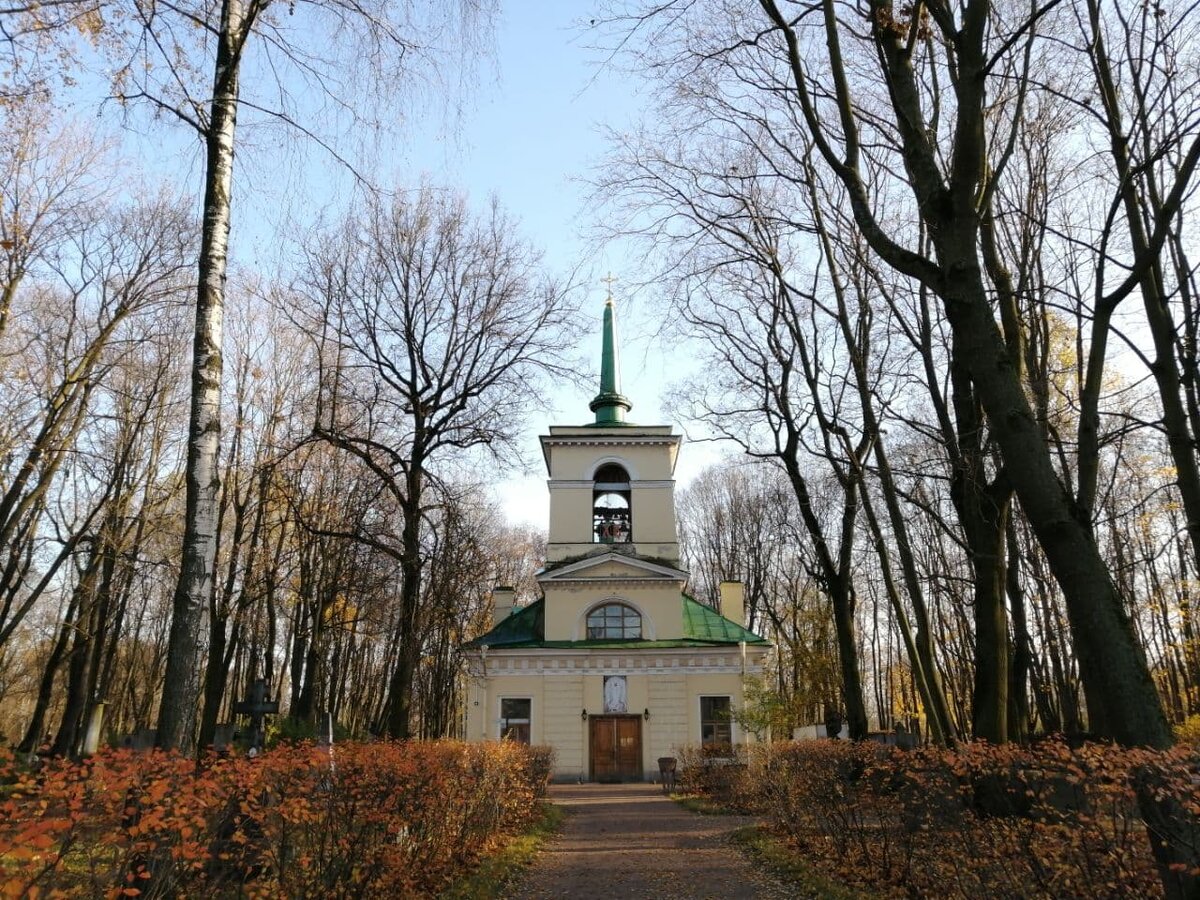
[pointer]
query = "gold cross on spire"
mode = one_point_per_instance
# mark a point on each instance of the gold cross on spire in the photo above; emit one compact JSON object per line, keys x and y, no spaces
{"x":608,"y":280}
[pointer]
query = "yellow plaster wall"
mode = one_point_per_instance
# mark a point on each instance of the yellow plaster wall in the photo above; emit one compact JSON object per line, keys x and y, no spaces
{"x":530,"y":686}
{"x":673,"y":699}
{"x":613,"y":568}
{"x":476,"y":704}
{"x":571,"y":516}
{"x":566,"y":605}
{"x":668,"y":731}
{"x":653,"y":506}
{"x":643,"y":462}
{"x":564,"y":729}
{"x":558,"y":696}
{"x":712,"y":685}
{"x":653,"y":513}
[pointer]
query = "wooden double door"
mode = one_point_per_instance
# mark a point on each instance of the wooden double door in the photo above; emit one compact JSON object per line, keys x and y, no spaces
{"x":615,"y":748}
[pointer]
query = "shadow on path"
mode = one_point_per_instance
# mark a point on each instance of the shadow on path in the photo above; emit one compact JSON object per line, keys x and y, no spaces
{"x":628,"y":840}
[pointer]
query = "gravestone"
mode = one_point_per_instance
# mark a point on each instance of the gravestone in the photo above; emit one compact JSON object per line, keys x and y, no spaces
{"x":816,"y":732}
{"x":906,"y":738}
{"x":223,"y":737}
{"x":95,"y":728}
{"x":325,"y":730}
{"x":833,"y":724}
{"x":257,"y":706}
{"x":141,"y":740}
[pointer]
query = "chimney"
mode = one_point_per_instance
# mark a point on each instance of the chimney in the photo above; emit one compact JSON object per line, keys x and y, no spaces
{"x":502,"y":603}
{"x":733,"y":601}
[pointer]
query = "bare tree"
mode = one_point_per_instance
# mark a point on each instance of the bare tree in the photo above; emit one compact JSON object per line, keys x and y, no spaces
{"x":1144,"y":67}
{"x":731,"y":529}
{"x":740,"y":520}
{"x":122,"y":264}
{"x":899,"y":107}
{"x":49,"y":176}
{"x":433,"y":330}
{"x":952,"y":193}
{"x":376,"y":37}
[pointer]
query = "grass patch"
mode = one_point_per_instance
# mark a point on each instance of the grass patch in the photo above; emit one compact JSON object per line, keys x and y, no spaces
{"x":776,"y":857}
{"x":496,"y":870}
{"x":702,"y":805}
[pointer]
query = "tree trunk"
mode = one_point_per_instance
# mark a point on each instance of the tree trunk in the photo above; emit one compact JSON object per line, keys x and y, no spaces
{"x":835,"y":579}
{"x":400,"y":690}
{"x":990,"y":696}
{"x":982,"y":512}
{"x":842,"y":598}
{"x":928,"y":686}
{"x":1018,"y":690}
{"x":919,"y":647}
{"x":305,"y":707}
{"x":37,"y":722}
{"x":216,"y":676}
{"x":299,"y":650}
{"x":1122,"y":700}
{"x":181,"y":684}
{"x":79,"y":659}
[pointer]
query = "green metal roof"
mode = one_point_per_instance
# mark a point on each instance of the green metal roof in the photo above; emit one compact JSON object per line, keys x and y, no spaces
{"x":522,"y":628}
{"x":702,"y":627}
{"x":703,"y":623}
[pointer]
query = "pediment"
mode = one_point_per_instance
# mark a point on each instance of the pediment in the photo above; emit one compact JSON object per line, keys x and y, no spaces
{"x":613,"y":566}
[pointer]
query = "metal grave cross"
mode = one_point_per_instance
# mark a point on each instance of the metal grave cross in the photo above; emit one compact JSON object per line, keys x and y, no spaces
{"x":256,"y":706}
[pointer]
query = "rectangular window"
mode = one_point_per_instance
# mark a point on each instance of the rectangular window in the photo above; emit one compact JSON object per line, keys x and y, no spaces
{"x":715,"y":724}
{"x":514,"y":720}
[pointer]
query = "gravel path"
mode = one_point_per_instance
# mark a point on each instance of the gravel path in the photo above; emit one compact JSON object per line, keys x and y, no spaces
{"x":628,"y":840}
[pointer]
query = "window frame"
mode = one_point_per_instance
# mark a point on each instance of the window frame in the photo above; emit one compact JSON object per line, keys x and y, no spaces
{"x":506,"y":724}
{"x":717,"y":725}
{"x":627,"y":611}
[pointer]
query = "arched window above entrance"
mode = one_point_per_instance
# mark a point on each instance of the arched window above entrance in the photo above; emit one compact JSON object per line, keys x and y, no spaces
{"x":612,"y":515}
{"x":614,"y":622}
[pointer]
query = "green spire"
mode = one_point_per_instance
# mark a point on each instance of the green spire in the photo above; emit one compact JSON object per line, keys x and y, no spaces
{"x":610,"y":406}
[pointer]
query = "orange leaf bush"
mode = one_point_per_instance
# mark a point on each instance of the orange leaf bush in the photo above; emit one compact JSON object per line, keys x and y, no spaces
{"x":980,"y":820}
{"x":718,"y":772}
{"x":380,"y":819}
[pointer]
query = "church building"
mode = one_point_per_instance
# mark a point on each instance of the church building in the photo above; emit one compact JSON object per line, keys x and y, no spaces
{"x":615,"y":666}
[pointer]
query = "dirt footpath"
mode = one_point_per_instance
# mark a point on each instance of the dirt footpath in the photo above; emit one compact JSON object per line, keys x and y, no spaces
{"x":628,"y":840}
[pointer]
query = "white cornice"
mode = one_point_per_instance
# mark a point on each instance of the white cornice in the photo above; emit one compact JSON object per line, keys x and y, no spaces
{"x":584,"y":437}
{"x":616,"y":579}
{"x":548,"y":662}
{"x":589,"y":440}
{"x":553,"y":483}
{"x":652,"y":571}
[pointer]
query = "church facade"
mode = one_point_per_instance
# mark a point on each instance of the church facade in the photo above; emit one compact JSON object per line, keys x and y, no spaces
{"x":615,"y":665}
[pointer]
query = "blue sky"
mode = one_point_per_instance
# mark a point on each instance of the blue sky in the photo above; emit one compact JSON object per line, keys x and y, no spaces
{"x":531,"y":136}
{"x":529,"y":128}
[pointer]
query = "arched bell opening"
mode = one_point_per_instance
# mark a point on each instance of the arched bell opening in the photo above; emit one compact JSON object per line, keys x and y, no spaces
{"x":612,"y":512}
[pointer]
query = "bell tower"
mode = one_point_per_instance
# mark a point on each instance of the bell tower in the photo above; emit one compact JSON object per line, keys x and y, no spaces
{"x":611,"y":482}
{"x":614,"y":666}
